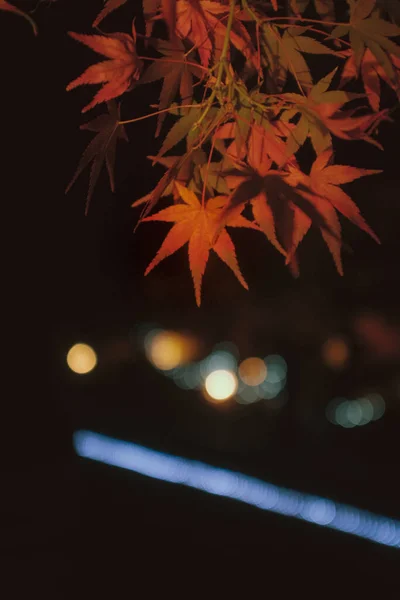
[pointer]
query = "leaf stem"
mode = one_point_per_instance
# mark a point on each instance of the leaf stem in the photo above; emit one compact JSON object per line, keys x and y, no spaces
{"x":159,"y":112}
{"x":251,"y":12}
{"x":304,"y":20}
{"x":181,"y":62}
{"x":328,"y":36}
{"x":203,"y":195}
{"x":278,"y":37}
{"x":221,"y":66}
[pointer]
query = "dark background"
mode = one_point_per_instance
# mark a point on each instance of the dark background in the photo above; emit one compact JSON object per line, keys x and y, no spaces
{"x":72,"y":527}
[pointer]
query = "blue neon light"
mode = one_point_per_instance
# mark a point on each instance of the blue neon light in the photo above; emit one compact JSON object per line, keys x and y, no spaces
{"x":244,"y":488}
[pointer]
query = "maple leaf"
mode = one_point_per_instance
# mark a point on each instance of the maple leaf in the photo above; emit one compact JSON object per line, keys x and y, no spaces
{"x":257,"y":137}
{"x":6,"y":6}
{"x":325,"y":8}
{"x":367,"y":30}
{"x":110,"y":6}
{"x":324,"y":180}
{"x":184,"y":127}
{"x":169,"y":14}
{"x":195,"y":224}
{"x":187,"y":174}
{"x":150,"y":10}
{"x":392,"y":9}
{"x":320,"y":116}
{"x":164,"y":186}
{"x":285,"y":205}
{"x":347,"y":126}
{"x":202,"y":22}
{"x":283,"y":54}
{"x":283,"y":211}
{"x":372,"y":71}
{"x":177,"y":74}
{"x":116,"y":74}
{"x":178,"y":166}
{"x":101,"y":149}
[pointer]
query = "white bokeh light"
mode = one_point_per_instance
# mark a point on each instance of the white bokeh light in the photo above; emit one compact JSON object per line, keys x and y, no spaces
{"x":221,"y":384}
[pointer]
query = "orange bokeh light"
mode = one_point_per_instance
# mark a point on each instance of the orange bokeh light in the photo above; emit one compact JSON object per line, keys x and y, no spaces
{"x":336,"y":353}
{"x":252,"y":371}
{"x":167,"y":350}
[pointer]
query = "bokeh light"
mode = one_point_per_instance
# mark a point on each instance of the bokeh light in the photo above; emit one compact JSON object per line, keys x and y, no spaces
{"x":353,"y":413}
{"x":378,"y":404}
{"x":378,"y":334}
{"x":336,"y":353}
{"x":252,"y":371}
{"x":167,"y":350}
{"x":269,"y":390}
{"x":229,"y":347}
{"x":255,"y":492}
{"x":81,"y":359}
{"x":221,"y":384}
{"x":217,"y":360}
{"x":192,"y":376}
{"x":276,"y":368}
{"x":247,"y":394}
{"x":367,"y":409}
{"x":340,"y":414}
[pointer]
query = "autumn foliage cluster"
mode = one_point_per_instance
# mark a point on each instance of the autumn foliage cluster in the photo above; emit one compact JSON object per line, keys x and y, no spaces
{"x":244,"y":126}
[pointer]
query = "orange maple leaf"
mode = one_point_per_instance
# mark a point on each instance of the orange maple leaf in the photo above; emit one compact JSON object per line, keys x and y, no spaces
{"x":286,"y":204}
{"x":324,"y":106}
{"x":372,"y":71}
{"x":117,"y":74}
{"x":261,"y":142}
{"x":196,"y":224}
{"x":282,"y":208}
{"x":203,"y":23}
{"x":324,"y":180}
{"x":109,"y":7}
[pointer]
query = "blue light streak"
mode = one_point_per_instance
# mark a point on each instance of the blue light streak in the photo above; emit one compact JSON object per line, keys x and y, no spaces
{"x":244,"y":488}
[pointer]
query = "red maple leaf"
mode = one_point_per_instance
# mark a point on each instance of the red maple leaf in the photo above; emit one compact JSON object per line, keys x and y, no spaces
{"x":169,"y":13}
{"x":116,"y":74}
{"x":196,"y":225}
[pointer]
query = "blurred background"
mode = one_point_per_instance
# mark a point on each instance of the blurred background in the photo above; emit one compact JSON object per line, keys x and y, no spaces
{"x":296,"y":382}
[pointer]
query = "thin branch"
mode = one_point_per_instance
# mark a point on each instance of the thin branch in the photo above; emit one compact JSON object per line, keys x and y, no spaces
{"x":171,"y":60}
{"x":221,"y":67}
{"x":160,"y":112}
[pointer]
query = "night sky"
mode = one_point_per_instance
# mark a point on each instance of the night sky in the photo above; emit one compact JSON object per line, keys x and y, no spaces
{"x":75,"y":527}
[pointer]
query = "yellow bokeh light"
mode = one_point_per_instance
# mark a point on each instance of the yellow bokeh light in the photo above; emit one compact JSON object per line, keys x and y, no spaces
{"x":336,"y":353}
{"x":252,"y":371}
{"x":167,"y":350}
{"x":81,"y":359}
{"x":221,"y":384}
